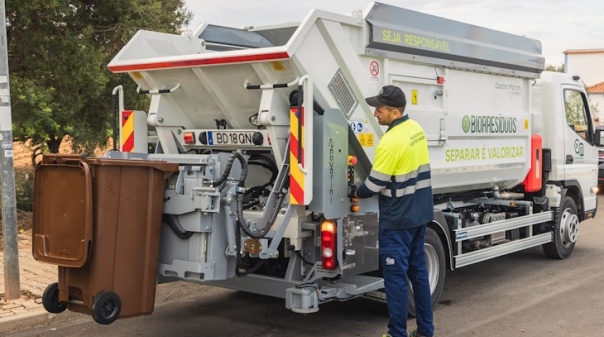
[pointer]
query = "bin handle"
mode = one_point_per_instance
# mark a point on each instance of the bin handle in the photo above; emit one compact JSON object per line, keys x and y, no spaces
{"x":54,"y":158}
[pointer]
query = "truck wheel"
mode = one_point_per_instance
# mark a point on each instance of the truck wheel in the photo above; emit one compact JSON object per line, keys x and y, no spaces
{"x":566,"y":228}
{"x":106,"y":307}
{"x":50,"y":299}
{"x":436,"y":264}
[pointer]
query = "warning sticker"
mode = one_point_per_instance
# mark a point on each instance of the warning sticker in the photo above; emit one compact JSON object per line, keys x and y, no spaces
{"x":366,"y":139}
{"x":414,"y":96}
{"x":278,"y":66}
{"x":374,"y":68}
{"x":357,"y":126}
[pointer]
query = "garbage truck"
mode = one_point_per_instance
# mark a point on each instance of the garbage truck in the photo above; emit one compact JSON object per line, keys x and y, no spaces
{"x":268,"y":127}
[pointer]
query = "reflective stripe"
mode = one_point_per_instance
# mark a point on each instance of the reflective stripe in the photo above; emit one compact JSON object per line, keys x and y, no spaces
{"x":373,"y":186}
{"x":412,"y":175}
{"x":379,"y":175}
{"x":408,"y":190}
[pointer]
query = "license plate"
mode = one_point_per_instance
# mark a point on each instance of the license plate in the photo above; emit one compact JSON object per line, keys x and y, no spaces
{"x":230,"y":138}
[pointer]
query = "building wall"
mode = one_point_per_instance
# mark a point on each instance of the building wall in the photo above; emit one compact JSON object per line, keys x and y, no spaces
{"x":599,"y":100}
{"x":587,"y":65}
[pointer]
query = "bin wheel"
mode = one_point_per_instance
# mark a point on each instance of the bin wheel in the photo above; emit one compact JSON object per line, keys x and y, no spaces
{"x":106,"y":307}
{"x":50,"y":299}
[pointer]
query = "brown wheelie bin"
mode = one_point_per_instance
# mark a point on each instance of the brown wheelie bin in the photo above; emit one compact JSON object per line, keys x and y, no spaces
{"x":120,"y":229}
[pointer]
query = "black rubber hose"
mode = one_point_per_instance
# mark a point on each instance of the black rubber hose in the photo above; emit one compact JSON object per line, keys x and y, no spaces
{"x":228,"y":168}
{"x":181,"y":233}
{"x":227,"y":171}
{"x":243,"y":163}
{"x":293,"y":101}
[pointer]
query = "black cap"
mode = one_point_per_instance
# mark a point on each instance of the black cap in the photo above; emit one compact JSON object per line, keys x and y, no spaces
{"x":390,"y":95}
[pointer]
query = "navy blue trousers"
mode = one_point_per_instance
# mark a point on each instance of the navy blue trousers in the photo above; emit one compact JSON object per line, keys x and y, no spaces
{"x":402,"y":256}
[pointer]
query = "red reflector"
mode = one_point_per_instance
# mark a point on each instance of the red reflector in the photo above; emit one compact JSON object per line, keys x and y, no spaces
{"x":201,"y":60}
{"x":328,"y":244}
{"x":534,"y":180}
{"x":189,"y":137}
{"x":440,"y":80}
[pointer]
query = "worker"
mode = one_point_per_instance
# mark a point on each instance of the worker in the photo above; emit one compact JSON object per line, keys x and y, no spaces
{"x":401,"y":177}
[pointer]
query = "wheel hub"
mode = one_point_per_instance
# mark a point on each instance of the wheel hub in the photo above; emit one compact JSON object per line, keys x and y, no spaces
{"x":569,"y":227}
{"x":432,"y":265}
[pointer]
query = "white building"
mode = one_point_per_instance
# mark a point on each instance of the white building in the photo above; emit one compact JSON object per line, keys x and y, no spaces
{"x":596,"y":96}
{"x":587,"y":63}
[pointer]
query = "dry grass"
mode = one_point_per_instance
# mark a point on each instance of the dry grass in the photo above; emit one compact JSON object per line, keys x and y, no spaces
{"x":24,"y":220}
{"x":21,"y":155}
{"x":24,"y":224}
{"x":22,"y":160}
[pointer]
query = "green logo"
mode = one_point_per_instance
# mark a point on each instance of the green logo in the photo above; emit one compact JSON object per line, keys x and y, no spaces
{"x":465,"y":124}
{"x":488,"y":124}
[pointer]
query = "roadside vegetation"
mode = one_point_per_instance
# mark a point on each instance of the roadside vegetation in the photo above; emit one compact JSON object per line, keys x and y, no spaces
{"x":60,"y":86}
{"x":58,"y":53}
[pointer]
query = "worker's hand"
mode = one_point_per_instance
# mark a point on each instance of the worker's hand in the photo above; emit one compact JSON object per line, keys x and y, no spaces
{"x":352,"y":191}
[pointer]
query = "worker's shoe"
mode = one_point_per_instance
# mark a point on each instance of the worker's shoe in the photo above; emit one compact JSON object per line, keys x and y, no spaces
{"x":415,"y":333}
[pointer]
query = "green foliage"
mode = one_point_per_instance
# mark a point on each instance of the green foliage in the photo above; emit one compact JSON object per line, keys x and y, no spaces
{"x":58,"y":54}
{"x":558,"y":69}
{"x":595,"y":110}
{"x":24,"y":188}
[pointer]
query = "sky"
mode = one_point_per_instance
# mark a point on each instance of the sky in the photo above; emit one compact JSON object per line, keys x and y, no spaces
{"x":560,"y":25}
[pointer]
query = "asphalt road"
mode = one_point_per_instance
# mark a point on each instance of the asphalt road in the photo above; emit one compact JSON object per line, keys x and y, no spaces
{"x":524,"y":294}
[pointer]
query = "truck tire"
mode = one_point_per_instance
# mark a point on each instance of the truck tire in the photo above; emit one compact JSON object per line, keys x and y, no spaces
{"x":566,"y":228}
{"x":436,"y":265}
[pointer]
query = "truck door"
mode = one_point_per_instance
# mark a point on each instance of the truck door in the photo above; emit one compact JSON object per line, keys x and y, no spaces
{"x":581,"y":155}
{"x":425,"y":104}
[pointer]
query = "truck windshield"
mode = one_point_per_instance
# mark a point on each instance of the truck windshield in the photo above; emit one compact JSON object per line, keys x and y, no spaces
{"x":223,"y":38}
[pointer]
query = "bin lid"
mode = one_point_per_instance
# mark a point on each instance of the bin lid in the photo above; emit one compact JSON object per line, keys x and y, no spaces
{"x":63,"y":210}
{"x":163,"y":166}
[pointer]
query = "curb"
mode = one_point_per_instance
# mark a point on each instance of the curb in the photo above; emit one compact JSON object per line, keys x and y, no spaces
{"x":34,"y":317}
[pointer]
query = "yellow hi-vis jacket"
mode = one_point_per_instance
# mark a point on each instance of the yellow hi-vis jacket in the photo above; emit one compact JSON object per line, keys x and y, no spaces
{"x":401,"y":176}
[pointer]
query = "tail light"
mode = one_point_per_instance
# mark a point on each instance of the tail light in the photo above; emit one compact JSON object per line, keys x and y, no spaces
{"x":328,"y":244}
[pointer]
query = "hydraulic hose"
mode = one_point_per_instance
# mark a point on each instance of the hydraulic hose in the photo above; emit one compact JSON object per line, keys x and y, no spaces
{"x":228,"y":168}
{"x":240,"y":219}
{"x":181,"y":233}
{"x":270,"y":221}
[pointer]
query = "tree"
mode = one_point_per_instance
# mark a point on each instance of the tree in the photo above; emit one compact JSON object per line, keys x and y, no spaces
{"x":58,"y":55}
{"x":558,"y":69}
